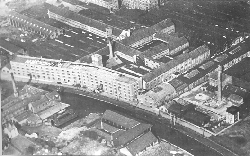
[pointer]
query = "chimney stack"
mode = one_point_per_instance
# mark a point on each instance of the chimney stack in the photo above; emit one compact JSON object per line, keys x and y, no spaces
{"x":219,"y":84}
{"x":109,"y":40}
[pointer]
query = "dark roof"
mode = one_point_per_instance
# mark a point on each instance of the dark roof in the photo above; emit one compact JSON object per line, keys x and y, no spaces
{"x":24,"y":19}
{"x":175,"y":108}
{"x":164,"y":59}
{"x":233,"y":109}
{"x":8,"y":46}
{"x":131,"y":134}
{"x":196,"y":117}
{"x":119,"y":119}
{"x":141,"y":143}
{"x":54,"y":95}
{"x":82,"y":19}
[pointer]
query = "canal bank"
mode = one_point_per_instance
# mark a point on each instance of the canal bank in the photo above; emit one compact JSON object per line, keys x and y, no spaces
{"x":93,"y":103}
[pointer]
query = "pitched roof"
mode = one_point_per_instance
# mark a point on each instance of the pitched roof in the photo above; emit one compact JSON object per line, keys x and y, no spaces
{"x":82,"y":19}
{"x":119,"y":47}
{"x":131,"y":134}
{"x":119,"y":119}
{"x":163,"y":24}
{"x":158,"y":71}
{"x":155,"y":50}
{"x":27,"y":21}
{"x":54,"y":95}
{"x":146,"y":32}
{"x":141,"y":143}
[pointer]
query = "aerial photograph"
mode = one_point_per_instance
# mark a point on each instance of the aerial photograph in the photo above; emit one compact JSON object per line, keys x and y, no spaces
{"x":125,"y":77}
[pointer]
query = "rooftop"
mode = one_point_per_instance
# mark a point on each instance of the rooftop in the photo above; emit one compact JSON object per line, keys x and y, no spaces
{"x":72,"y":65}
{"x":131,"y":134}
{"x":57,"y":106}
{"x":82,"y":19}
{"x":161,"y":91}
{"x":119,"y":119}
{"x":35,"y":23}
{"x":146,"y":32}
{"x":141,"y":143}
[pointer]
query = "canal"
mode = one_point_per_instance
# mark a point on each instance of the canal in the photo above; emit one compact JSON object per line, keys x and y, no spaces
{"x":86,"y":105}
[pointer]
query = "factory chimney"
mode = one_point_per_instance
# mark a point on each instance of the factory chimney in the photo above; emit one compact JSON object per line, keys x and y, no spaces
{"x":14,"y":85}
{"x":219,"y":84}
{"x":109,"y":42}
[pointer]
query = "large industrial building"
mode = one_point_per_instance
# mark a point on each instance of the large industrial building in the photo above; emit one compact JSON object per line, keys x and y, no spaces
{"x":73,"y":19}
{"x":112,"y":83}
{"x":27,"y":23}
{"x":141,"y":4}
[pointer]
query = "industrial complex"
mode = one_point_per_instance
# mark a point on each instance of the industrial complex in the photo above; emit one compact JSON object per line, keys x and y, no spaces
{"x":155,"y":69}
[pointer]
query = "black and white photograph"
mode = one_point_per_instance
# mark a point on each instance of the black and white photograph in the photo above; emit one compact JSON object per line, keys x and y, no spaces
{"x":125,"y":77}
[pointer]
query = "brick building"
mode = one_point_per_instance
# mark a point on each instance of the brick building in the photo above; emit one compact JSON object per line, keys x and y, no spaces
{"x":27,"y":23}
{"x":140,"y":4}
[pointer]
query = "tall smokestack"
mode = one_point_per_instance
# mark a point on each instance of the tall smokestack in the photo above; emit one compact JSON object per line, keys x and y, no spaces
{"x":109,"y":41}
{"x":14,"y":85}
{"x":219,"y":84}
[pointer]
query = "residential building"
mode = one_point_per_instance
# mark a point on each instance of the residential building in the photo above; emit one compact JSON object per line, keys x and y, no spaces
{"x":78,"y":21}
{"x":27,"y":23}
{"x":140,"y":4}
{"x":114,"y":84}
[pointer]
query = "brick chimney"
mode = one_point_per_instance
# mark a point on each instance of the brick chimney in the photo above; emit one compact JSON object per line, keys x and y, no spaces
{"x":219,"y":96}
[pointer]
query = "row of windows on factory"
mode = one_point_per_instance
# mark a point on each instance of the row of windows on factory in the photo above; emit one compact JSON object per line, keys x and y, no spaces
{"x":142,"y":41}
{"x":235,"y":61}
{"x":28,"y":24}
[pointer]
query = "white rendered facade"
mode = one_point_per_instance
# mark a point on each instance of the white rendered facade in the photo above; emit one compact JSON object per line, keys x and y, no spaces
{"x":115,"y":84}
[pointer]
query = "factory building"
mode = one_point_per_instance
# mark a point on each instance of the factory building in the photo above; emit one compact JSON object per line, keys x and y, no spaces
{"x":156,"y":96}
{"x":140,"y":4}
{"x":27,"y":23}
{"x":146,"y":35}
{"x":180,"y":64}
{"x":111,"y":83}
{"x":109,"y":4}
{"x":78,"y":21}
